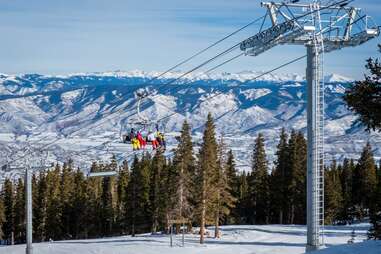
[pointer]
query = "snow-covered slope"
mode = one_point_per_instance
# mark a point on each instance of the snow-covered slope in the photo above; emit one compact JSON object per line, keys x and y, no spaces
{"x":269,"y":239}
{"x":86,"y":110}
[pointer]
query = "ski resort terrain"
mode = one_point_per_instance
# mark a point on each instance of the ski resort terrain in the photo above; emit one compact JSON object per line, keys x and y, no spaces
{"x":268,"y":239}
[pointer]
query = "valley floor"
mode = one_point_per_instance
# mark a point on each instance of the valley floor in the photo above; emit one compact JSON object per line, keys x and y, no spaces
{"x":282,"y":239}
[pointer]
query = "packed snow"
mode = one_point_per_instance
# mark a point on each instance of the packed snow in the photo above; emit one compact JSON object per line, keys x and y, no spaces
{"x":268,"y":239}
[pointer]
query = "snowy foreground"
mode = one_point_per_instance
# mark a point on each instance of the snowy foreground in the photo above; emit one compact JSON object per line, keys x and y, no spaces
{"x":235,"y":239}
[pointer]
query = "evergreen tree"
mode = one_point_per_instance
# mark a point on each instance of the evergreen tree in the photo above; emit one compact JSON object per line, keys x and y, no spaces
{"x":2,"y":217}
{"x":93,"y":204}
{"x":8,"y":226}
{"x":375,"y":213}
{"x":158,"y":163}
{"x":279,"y":193}
{"x":346,"y":173}
{"x":65,"y":191}
{"x":243,"y":203}
{"x":206,"y":170}
{"x":19,"y":212}
{"x":332,"y":194}
{"x":223,"y":200}
{"x":107,"y":211}
{"x":182,"y":202}
{"x":364,"y":97}
{"x":364,"y":180}
{"x":139,"y":217}
{"x":296,"y":179}
{"x":108,"y":199}
{"x":121,"y":211}
{"x":78,"y":199}
{"x":259,"y":184}
{"x":53,"y":226}
{"x":233,"y":182}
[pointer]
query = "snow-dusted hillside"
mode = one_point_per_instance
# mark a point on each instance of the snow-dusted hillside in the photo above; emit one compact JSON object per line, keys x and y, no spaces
{"x":87,"y":110}
{"x":269,"y":239}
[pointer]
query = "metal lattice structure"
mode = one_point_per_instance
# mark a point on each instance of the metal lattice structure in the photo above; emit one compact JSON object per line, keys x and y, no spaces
{"x":321,"y":28}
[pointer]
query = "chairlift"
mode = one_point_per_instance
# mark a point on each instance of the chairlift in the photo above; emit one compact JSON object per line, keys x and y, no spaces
{"x":148,"y":129}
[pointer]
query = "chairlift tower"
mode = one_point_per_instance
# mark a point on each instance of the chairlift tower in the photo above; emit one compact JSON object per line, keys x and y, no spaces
{"x":321,"y":28}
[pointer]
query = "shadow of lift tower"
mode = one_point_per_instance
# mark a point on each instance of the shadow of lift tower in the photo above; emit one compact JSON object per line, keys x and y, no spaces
{"x":321,"y":28}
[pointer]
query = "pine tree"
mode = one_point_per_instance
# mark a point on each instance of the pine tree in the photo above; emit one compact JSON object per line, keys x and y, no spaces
{"x":364,"y":180}
{"x":259,"y":184}
{"x":243,"y":203}
{"x":233,"y":182}
{"x":346,"y":173}
{"x":296,"y":179}
{"x":375,"y":213}
{"x":107,"y":211}
{"x":2,"y":217}
{"x":93,"y":206}
{"x":332,"y":194}
{"x":223,"y":201}
{"x":65,"y":190}
{"x":8,"y":226}
{"x":182,"y":202}
{"x":207,"y":166}
{"x":78,"y":199}
{"x":364,"y":97}
{"x":19,"y":212}
{"x":158,"y":163}
{"x":53,"y":226}
{"x":108,"y":199}
{"x":121,"y":211}
{"x":139,"y":217}
{"x":279,"y":194}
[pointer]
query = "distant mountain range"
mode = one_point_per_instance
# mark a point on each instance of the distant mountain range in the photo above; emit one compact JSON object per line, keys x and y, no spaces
{"x":93,"y":107}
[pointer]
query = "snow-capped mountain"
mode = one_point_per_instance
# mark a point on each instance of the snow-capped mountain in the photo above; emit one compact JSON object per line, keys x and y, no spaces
{"x":86,"y":111}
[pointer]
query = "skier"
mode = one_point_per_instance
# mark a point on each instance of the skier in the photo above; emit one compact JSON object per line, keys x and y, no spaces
{"x":151,"y":138}
{"x":135,"y":144}
{"x":132,"y":134}
{"x":142,"y":142}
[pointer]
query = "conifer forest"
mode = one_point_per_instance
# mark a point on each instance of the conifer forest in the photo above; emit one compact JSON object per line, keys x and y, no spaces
{"x":201,"y":185}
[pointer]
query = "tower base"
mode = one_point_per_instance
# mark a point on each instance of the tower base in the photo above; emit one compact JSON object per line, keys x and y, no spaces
{"x":312,"y":247}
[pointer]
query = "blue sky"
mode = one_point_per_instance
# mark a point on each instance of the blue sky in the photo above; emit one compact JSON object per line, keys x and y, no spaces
{"x":70,"y":36}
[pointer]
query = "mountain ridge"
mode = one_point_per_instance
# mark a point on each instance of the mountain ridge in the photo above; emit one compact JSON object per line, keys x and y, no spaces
{"x":44,"y":106}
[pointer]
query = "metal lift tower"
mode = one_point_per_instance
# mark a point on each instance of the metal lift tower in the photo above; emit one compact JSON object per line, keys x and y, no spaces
{"x":321,"y":28}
